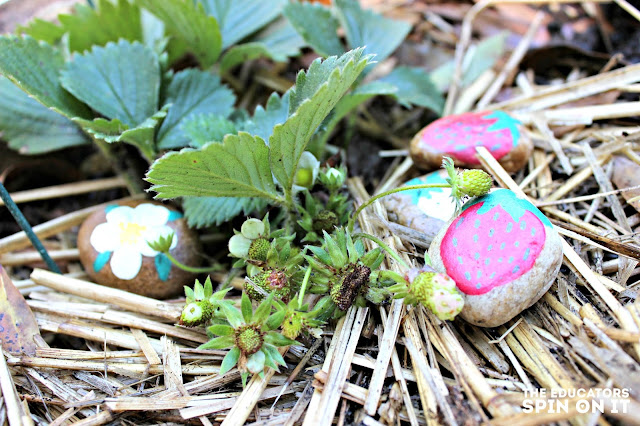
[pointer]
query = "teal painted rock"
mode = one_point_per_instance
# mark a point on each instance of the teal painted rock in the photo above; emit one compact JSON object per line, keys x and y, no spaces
{"x":114,"y":251}
{"x":425,"y":210}
{"x":457,"y":136}
{"x":503,"y":254}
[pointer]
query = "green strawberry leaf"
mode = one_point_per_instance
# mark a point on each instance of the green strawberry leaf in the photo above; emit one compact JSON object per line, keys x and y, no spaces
{"x":278,"y":42}
{"x":246,"y":308}
{"x":106,"y":22}
{"x":239,"y":18}
{"x":238,"y":167}
{"x":32,"y":128}
{"x":487,"y":53}
{"x":42,"y":30}
{"x":275,"y":320}
{"x":232,"y":315}
{"x":193,"y":30}
{"x":201,"y":212}
{"x":219,"y":329}
{"x":276,"y":339}
{"x":316,"y":93}
{"x":230,"y":360}
{"x":203,"y":128}
{"x":281,"y":40}
{"x":317,"y":26}
{"x":221,"y":342}
{"x":120,"y":81}
{"x":141,"y":136}
{"x":35,"y":68}
{"x":273,"y":353}
{"x":265,"y":119}
{"x":477,"y":60}
{"x":347,"y":104}
{"x":192,"y":92}
{"x":380,"y":35}
{"x":414,"y":87}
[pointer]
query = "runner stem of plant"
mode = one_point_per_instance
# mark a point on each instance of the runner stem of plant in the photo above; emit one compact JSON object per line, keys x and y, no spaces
{"x":373,"y":199}
{"x":133,"y":184}
{"x":384,"y":247}
{"x":193,"y":269}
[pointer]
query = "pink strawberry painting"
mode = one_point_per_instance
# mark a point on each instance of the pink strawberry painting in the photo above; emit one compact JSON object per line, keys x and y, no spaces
{"x":457,"y":136}
{"x":495,"y":239}
{"x":502,"y":253}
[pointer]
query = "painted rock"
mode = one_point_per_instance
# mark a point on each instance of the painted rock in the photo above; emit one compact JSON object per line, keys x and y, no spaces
{"x":503,"y":254}
{"x":114,"y":251}
{"x":425,"y":210}
{"x":457,"y":136}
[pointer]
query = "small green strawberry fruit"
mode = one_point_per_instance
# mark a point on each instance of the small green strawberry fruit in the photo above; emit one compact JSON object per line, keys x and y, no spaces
{"x":325,"y":220}
{"x":439,"y":293}
{"x":249,"y":339}
{"x":258,"y":249}
{"x":270,"y":280}
{"x":475,"y":183}
{"x":292,"y":325}
{"x":196,"y":313}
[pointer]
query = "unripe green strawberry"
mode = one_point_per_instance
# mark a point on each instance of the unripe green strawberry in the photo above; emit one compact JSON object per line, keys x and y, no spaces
{"x":269,"y":280}
{"x":249,"y":339}
{"x":292,"y":325}
{"x":475,"y":183}
{"x":196,"y":313}
{"x":344,"y":292}
{"x":439,"y":293}
{"x":259,"y":248}
{"x":325,"y":220}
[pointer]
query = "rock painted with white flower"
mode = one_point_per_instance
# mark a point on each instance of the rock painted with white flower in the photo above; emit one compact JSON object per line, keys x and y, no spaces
{"x":425,"y":210}
{"x":114,"y":251}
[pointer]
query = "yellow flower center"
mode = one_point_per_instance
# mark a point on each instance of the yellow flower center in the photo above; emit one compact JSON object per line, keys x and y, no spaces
{"x":130,"y":233}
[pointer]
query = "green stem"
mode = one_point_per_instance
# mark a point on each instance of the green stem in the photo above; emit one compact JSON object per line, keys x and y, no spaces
{"x":373,"y":199}
{"x":193,"y":269}
{"x":22,"y":221}
{"x":396,"y":277}
{"x":384,"y":247}
{"x":303,"y":289}
{"x":133,"y":184}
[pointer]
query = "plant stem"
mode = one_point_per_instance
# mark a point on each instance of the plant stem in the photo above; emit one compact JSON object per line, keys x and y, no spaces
{"x":303,"y":289}
{"x":384,"y":247}
{"x":193,"y":269}
{"x":22,"y":221}
{"x":133,"y":184}
{"x":373,"y":199}
{"x":396,"y":277}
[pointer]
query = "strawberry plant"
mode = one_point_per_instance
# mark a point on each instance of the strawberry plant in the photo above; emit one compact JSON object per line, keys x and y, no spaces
{"x":109,"y":72}
{"x":157,"y":76}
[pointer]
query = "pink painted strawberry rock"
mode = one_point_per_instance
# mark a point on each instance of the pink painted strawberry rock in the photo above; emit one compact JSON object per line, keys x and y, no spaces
{"x":457,"y":136}
{"x":503,"y":254}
